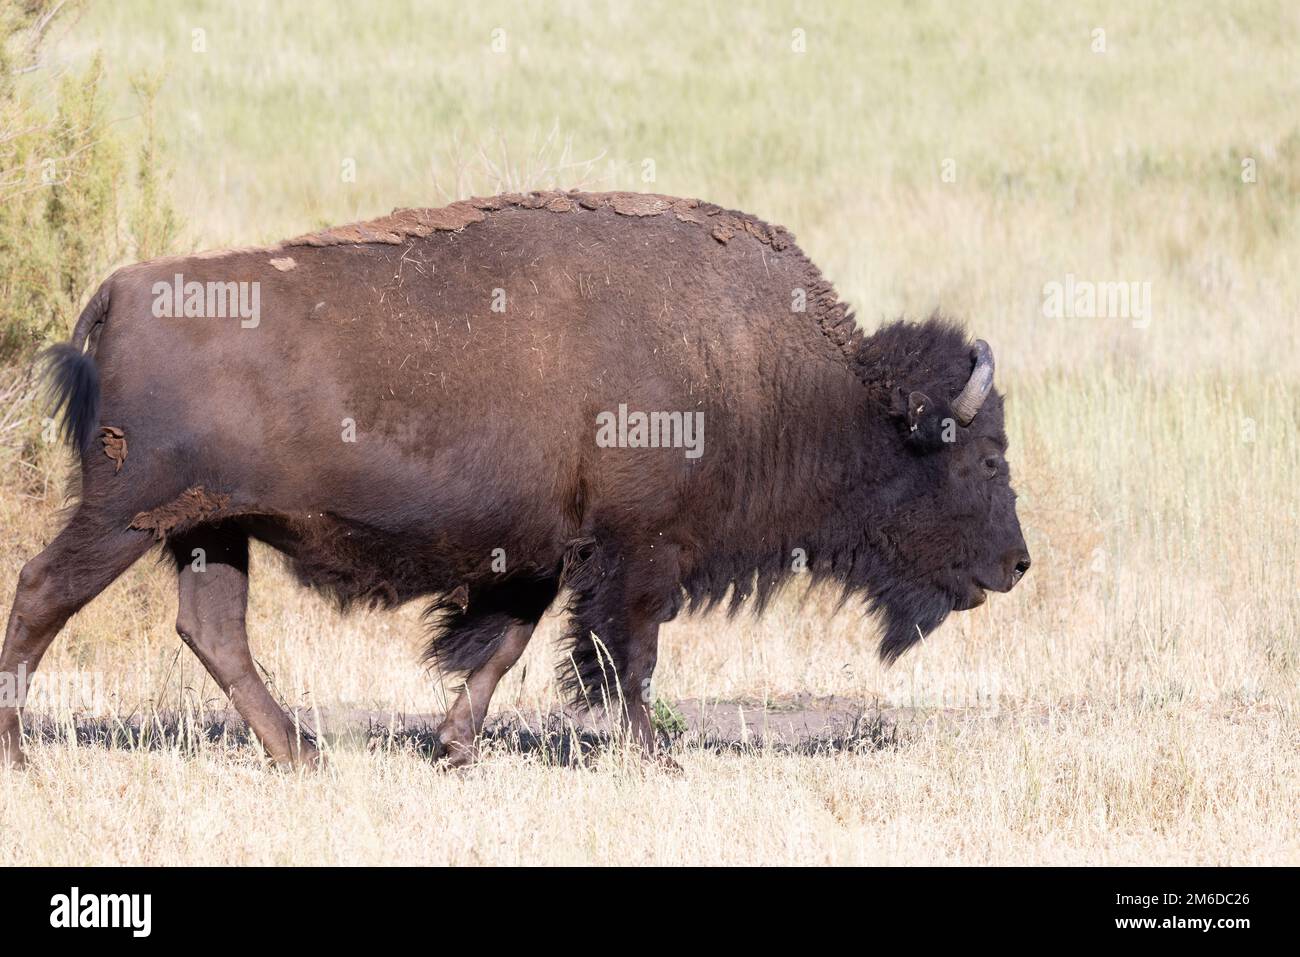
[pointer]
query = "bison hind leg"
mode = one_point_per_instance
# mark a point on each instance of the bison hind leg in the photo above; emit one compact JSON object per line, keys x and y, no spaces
{"x":481,"y":633}
{"x":460,"y":641}
{"x":469,"y":622}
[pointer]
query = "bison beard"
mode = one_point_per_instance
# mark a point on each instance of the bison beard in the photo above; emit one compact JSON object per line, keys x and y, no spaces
{"x":389,"y":429}
{"x":909,"y":614}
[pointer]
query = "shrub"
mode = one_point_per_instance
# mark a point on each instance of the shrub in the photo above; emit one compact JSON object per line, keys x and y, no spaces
{"x":62,"y":201}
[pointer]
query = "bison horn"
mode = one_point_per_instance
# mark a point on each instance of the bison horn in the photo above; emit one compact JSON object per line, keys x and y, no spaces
{"x":977,"y":387}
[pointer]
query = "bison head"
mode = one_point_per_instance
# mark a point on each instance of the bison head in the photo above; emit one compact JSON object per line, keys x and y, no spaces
{"x":947,"y":531}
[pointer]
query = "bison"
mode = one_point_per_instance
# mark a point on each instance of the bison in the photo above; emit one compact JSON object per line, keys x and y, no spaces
{"x":644,"y":402}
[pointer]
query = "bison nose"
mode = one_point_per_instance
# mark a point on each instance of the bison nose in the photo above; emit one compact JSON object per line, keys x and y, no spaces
{"x":1022,"y":566}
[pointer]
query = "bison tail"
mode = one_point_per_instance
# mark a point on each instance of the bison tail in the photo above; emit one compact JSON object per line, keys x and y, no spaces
{"x":74,"y":392}
{"x":74,"y":378}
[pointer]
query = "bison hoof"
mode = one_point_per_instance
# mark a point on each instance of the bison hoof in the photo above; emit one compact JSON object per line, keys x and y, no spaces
{"x":665,"y":763}
{"x":457,"y":756}
{"x":454,"y":749}
{"x":302,"y":758}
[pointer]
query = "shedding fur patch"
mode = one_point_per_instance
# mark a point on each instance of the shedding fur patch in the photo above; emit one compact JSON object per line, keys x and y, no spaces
{"x":114,"y":445}
{"x":191,"y":507}
{"x":283,"y":263}
{"x":406,"y":224}
{"x":833,"y":318}
{"x":401,"y":225}
{"x":639,"y":204}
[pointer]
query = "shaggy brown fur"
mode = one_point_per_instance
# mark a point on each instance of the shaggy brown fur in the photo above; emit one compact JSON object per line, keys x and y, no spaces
{"x":415,"y":414}
{"x":192,"y":507}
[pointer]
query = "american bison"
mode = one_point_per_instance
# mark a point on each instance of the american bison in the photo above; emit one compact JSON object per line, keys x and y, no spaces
{"x":647,"y":403}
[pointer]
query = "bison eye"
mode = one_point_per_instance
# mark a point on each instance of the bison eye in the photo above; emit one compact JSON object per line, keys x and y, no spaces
{"x":991,"y":465}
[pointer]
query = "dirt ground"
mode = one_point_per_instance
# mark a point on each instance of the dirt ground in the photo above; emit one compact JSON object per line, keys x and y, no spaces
{"x":796,"y":724}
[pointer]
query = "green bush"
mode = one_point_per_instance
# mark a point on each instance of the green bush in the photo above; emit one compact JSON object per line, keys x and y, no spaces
{"x":65,"y":215}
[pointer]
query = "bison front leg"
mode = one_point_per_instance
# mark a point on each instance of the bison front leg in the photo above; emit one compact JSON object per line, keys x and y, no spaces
{"x":620,"y":603}
{"x":619,"y":669}
{"x":459,"y":731}
{"x":212,"y":570}
{"x":638,"y":693}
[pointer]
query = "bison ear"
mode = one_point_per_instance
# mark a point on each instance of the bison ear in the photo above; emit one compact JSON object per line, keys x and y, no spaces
{"x":919,"y":408}
{"x":924,"y":421}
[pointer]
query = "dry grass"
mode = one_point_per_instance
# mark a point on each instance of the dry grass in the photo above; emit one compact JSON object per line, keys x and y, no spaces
{"x":1133,"y":701}
{"x":1037,"y":791}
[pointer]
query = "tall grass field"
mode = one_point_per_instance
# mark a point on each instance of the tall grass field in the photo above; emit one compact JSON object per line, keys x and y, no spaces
{"x":1109,"y":193}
